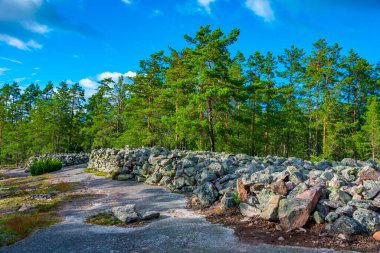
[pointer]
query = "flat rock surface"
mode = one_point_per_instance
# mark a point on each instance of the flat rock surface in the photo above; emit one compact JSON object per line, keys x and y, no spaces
{"x":177,"y":229}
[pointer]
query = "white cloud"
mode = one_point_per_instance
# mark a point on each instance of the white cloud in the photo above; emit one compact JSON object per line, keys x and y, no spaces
{"x":206,"y":4}
{"x":115,"y":75}
{"x":88,"y":83}
{"x":36,"y":27}
{"x":11,"y":60}
{"x":36,"y":68}
{"x":261,"y":8}
{"x":127,"y":1}
{"x":69,"y":82}
{"x":3,"y":70}
{"x":17,"y":43}
{"x":19,"y":79}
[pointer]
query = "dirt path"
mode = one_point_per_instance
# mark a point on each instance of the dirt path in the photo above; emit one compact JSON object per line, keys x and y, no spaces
{"x":178,"y":229}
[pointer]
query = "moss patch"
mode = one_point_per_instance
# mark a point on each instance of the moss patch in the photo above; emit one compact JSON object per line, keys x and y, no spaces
{"x":104,"y":219}
{"x":98,"y":173}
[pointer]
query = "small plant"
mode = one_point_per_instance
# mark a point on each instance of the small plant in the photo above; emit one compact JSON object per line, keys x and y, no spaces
{"x":103,"y":219}
{"x":45,"y":165}
{"x":89,"y":170}
{"x":236,"y":198}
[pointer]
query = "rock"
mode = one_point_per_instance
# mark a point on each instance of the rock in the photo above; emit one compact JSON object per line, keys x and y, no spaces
{"x":364,"y":204}
{"x":179,"y":182}
{"x":124,"y":177}
{"x":165,"y":180}
{"x":261,"y":178}
{"x":369,"y":173}
{"x":281,"y":238}
{"x":149,"y":215}
{"x":242,"y":192}
{"x":376,"y":236}
{"x":346,"y":225}
{"x":312,"y":195}
{"x":217,"y":168}
{"x":331,"y":217}
{"x":372,"y":189}
{"x":370,"y":220}
{"x":318,"y":217}
{"x":126,"y":213}
{"x":293,"y":213}
{"x":227,"y":200}
{"x":263,"y":198}
{"x":248,"y":210}
{"x":279,"y":187}
{"x":297,"y":177}
{"x":207,"y":176}
{"x":349,"y":162}
{"x":346,"y":210}
{"x":270,"y":211}
{"x":339,"y":195}
{"x":207,"y":194}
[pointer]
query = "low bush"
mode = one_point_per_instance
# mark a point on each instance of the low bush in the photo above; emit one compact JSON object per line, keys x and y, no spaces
{"x":46,"y":165}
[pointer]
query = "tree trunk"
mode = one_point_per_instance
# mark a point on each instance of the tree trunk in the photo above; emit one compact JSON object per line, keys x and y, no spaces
{"x":210,"y":125}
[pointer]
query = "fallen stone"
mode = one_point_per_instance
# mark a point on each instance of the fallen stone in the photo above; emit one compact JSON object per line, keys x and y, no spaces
{"x":207,"y":194}
{"x":248,"y":210}
{"x":293,"y":213}
{"x":270,"y":211}
{"x":376,"y":236}
{"x":312,"y":195}
{"x":368,"y":173}
{"x":346,"y":225}
{"x":242,"y":192}
{"x":149,"y":215}
{"x":370,"y":220}
{"x":279,"y":187}
{"x":126,"y":214}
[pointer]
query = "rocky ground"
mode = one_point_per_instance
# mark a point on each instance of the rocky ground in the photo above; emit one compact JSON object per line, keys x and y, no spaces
{"x":343,"y":196}
{"x":178,"y":228}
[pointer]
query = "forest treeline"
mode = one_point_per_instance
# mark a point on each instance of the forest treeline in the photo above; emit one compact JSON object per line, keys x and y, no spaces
{"x":324,"y":104}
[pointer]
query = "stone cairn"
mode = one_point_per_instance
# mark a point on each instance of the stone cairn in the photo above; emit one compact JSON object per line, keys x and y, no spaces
{"x":66,"y":159}
{"x":345,"y":195}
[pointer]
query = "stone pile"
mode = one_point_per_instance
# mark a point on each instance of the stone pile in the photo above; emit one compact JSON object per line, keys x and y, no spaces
{"x":345,"y":195}
{"x":66,"y":159}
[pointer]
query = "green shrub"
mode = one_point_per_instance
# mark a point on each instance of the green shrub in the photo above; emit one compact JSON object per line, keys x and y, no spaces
{"x":236,"y":198}
{"x":45,"y":165}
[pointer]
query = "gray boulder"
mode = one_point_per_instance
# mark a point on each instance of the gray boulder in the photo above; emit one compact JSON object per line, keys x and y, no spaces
{"x":126,"y":214}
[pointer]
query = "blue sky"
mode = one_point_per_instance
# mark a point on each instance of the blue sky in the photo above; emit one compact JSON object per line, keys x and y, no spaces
{"x":86,"y":40}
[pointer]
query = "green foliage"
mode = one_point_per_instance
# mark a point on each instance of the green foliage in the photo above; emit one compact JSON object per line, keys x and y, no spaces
{"x":236,"y":198}
{"x":45,"y":165}
{"x":104,"y":219}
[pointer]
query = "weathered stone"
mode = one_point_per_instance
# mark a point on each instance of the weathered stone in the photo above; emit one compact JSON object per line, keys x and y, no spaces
{"x":372,"y":189}
{"x":369,"y":173}
{"x":207,"y":176}
{"x":339,"y":195}
{"x":312,"y":195}
{"x":149,"y":215}
{"x":242,"y":192}
{"x":331,"y":217}
{"x":270,"y":211}
{"x":279,"y":187}
{"x":370,"y":220}
{"x":318,"y":217}
{"x":376,"y":236}
{"x":346,"y":210}
{"x":124,"y":177}
{"x":165,"y":180}
{"x":297,"y":177}
{"x":207,"y":194}
{"x":248,"y":210}
{"x":227,"y":201}
{"x":261,"y":178}
{"x":349,"y":162}
{"x":217,"y":168}
{"x":126,"y":214}
{"x":346,"y":225}
{"x":364,"y":204}
{"x":179,"y":182}
{"x":293,"y":213}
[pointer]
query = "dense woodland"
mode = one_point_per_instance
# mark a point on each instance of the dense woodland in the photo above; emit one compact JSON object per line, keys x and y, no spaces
{"x":322,"y":104}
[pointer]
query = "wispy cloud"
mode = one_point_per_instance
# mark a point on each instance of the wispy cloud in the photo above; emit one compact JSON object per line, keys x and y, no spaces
{"x":36,"y":27}
{"x":19,"y":79}
{"x":88,"y":83}
{"x":3,"y":70}
{"x":127,"y":1}
{"x":11,"y":60}
{"x":158,"y":12}
{"x":17,"y":43}
{"x":261,"y":8}
{"x":206,"y":4}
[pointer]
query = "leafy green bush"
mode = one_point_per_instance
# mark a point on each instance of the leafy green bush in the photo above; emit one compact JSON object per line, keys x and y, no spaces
{"x":45,"y":165}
